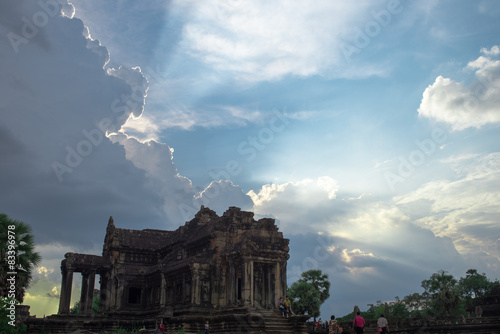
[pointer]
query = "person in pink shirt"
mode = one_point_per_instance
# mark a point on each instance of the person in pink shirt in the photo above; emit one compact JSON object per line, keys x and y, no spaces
{"x":359,"y":323}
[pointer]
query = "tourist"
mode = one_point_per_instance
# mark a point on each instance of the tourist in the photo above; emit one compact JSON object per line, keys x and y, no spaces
{"x":359,"y":323}
{"x":333,"y":326}
{"x":383,"y":324}
{"x":282,"y":308}
{"x":161,"y":329}
{"x":288,"y":305}
{"x":207,"y":327}
{"x":318,"y":325}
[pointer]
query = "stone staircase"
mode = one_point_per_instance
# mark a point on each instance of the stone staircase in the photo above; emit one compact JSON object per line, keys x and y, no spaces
{"x":275,"y":323}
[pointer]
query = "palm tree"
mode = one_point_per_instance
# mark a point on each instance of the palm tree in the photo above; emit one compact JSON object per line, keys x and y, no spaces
{"x":20,"y":258}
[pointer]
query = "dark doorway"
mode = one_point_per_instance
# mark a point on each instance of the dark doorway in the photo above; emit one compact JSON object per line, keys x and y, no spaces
{"x":239,"y":288}
{"x":134,"y":295}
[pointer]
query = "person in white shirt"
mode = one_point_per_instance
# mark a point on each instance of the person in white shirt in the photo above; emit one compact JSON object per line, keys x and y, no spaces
{"x":383,"y":324}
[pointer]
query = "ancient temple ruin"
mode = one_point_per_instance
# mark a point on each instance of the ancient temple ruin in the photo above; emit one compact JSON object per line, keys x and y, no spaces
{"x":210,"y":263}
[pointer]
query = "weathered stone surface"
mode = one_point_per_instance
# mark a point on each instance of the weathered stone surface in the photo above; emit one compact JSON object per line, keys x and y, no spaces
{"x":209,"y":267}
{"x":489,"y":305}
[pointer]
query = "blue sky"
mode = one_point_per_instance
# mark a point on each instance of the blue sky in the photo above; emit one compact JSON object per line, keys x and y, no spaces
{"x":368,"y":130}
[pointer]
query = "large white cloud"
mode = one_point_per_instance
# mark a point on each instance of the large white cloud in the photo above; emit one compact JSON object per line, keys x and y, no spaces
{"x":364,"y":242}
{"x":59,"y":172}
{"x":268,"y":40}
{"x":465,"y":209}
{"x":465,"y":106}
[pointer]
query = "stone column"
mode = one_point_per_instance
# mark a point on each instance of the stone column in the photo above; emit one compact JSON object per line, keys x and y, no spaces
{"x":116,"y":290}
{"x":90,"y":293}
{"x":221,"y":295}
{"x":247,"y":289}
{"x":104,"y":293}
{"x":163,"y":292}
{"x":283,"y":279}
{"x":231,"y":285}
{"x":66,"y":286}
{"x":84,"y":294}
{"x":196,"y":288}
{"x":269,"y":295}
{"x":277,"y":283}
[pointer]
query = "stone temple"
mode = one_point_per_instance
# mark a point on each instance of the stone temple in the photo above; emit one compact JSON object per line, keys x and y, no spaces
{"x":225,"y":268}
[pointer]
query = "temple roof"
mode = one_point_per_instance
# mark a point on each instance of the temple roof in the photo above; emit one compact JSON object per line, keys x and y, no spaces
{"x":234,"y":231}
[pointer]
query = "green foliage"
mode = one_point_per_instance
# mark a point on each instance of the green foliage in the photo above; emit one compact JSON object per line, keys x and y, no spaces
{"x":5,"y":327}
{"x":17,"y":253}
{"x":95,"y":304}
{"x":309,"y":292}
{"x":118,"y":329}
{"x":474,"y":285}
{"x":319,"y":281}
{"x":439,"y":281}
{"x":350,"y":317}
{"x":416,"y":303}
{"x":398,"y":310}
{"x":444,"y":293}
{"x":75,"y":310}
{"x":305,"y":298}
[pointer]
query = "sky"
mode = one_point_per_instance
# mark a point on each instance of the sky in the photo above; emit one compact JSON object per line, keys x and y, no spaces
{"x":369,"y":130}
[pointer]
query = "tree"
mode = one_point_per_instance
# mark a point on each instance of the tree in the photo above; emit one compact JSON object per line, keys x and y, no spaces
{"x":319,"y":281}
{"x":417,"y":303}
{"x":444,"y":292}
{"x":6,"y":321}
{"x":17,"y":255}
{"x":311,"y":290}
{"x":305,"y":298}
{"x":475,"y":285}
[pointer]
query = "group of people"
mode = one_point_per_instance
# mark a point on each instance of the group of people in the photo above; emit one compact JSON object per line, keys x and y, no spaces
{"x":285,"y":306}
{"x":359,"y":324}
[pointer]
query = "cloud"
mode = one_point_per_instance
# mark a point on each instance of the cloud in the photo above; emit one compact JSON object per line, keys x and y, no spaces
{"x":181,"y":200}
{"x":465,"y":106}
{"x":57,"y":102}
{"x":219,"y":194}
{"x":466,"y":209}
{"x":494,"y":51}
{"x":363,"y":242}
{"x":359,"y":226}
{"x":44,"y":292}
{"x":374,"y":264}
{"x":267,"y":41}
{"x":314,"y":195}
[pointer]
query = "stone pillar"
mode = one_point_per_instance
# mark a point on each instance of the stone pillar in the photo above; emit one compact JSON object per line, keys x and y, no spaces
{"x":221,"y":295}
{"x":84,"y":294}
{"x":231,"y":285}
{"x":115,"y":288}
{"x":90,"y":294}
{"x":104,"y":293}
{"x":277,"y":283}
{"x":247,"y":288}
{"x":196,"y":288}
{"x":66,"y":286}
{"x":163,"y":292}
{"x":269,"y":295}
{"x":283,"y":279}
